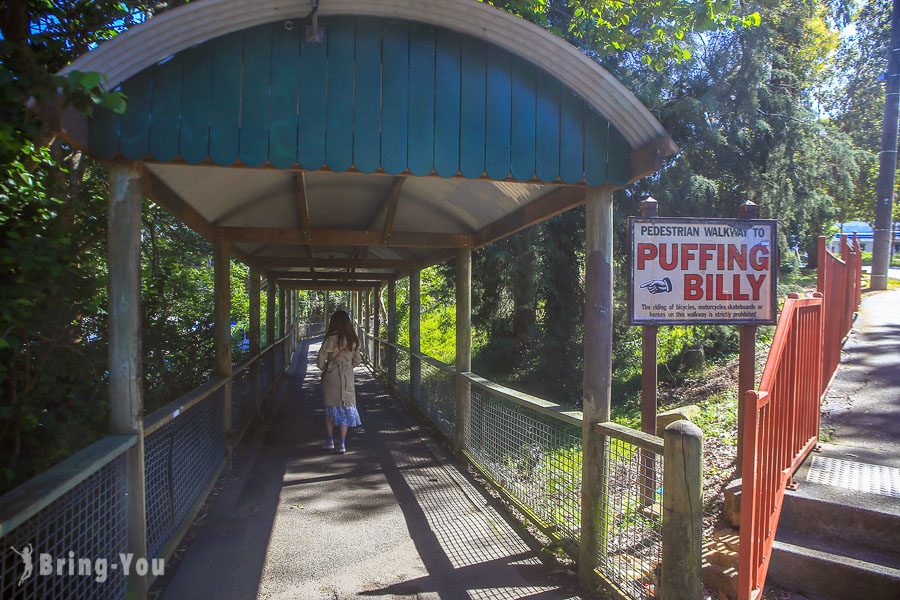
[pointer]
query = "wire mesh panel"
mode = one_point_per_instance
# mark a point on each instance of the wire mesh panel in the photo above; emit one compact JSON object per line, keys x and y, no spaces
{"x":180,"y":460}
{"x":437,"y":398}
{"x":534,"y":457}
{"x":91,"y":522}
{"x":370,"y":350}
{"x":243,"y":397}
{"x":265,"y":372}
{"x":402,"y":383}
{"x":631,"y":519}
{"x":278,"y":356}
{"x":383,"y":357}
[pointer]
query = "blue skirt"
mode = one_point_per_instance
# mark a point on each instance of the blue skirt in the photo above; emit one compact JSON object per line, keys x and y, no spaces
{"x":343,"y":415}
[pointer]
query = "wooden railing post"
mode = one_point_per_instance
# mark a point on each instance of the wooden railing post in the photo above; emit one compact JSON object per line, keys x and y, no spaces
{"x":222,"y":324}
{"x":254,"y":335}
{"x":376,"y":326}
{"x":463,"y":344}
{"x":415,"y":343}
{"x":126,"y":396}
{"x":392,"y":333}
{"x":649,"y":383}
{"x":270,"y":325}
{"x":597,"y":377}
{"x":282,"y":324}
{"x":682,"y":527}
{"x":746,"y":352}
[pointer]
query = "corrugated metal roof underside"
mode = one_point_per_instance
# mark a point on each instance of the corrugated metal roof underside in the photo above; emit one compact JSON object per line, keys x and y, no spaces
{"x":266,"y":198}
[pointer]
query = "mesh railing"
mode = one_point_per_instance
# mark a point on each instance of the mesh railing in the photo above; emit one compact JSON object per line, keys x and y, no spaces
{"x":80,"y":506}
{"x":534,"y":457}
{"x":402,"y":359}
{"x":531,"y":450}
{"x":181,"y":459}
{"x":437,"y":398}
{"x":265,"y":369}
{"x":245,"y":396}
{"x":631,"y":515}
{"x":89,"y":520}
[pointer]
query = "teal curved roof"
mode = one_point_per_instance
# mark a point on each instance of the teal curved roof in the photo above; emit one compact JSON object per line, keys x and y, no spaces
{"x":379,"y":95}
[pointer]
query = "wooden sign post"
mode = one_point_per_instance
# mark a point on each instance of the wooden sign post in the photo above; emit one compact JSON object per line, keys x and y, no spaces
{"x":746,"y":353}
{"x":699,"y":271}
{"x":649,"y":384}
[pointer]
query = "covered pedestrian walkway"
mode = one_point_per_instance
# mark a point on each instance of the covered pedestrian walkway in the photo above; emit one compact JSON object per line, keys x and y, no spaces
{"x":392,"y":518}
{"x":346,"y":145}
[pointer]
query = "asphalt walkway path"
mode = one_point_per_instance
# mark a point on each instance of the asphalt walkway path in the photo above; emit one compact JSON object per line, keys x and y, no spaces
{"x":392,"y":518}
{"x":863,"y":402}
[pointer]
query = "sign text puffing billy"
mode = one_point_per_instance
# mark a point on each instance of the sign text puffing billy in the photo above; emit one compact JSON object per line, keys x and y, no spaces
{"x":693,"y":271}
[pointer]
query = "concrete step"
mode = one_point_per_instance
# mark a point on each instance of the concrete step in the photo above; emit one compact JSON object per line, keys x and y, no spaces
{"x":833,"y":568}
{"x":834,"y":512}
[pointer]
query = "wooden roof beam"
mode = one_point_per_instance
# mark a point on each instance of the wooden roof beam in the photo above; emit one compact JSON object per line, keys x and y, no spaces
{"x":158,"y":191}
{"x":272,"y":263}
{"x":332,"y":287}
{"x":346,"y":237}
{"x":335,"y":275}
{"x":549,"y":205}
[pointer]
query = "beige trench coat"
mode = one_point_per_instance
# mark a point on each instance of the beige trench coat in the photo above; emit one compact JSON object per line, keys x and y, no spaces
{"x":337,"y":385}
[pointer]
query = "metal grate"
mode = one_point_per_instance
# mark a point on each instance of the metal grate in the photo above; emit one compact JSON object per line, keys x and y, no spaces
{"x":856,"y":476}
{"x":265,"y":372}
{"x":180,"y":460}
{"x":437,"y":398}
{"x":631,"y":519}
{"x":244,"y":398}
{"x":402,"y":370}
{"x":534,"y":457}
{"x":90,"y":521}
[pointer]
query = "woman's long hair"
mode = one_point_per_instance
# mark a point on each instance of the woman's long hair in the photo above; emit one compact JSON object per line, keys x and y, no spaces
{"x":341,"y":325}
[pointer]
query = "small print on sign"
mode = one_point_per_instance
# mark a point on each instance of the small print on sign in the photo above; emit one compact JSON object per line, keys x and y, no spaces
{"x":692,"y":271}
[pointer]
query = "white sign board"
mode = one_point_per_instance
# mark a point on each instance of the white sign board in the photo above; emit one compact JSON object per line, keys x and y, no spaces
{"x":702,"y":271}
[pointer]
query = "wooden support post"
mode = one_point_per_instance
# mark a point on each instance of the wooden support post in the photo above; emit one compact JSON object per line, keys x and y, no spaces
{"x":376,"y":327}
{"x":282,"y":325}
{"x":327,"y":308}
{"x":367,"y":307}
{"x":126,"y":396}
{"x":597,"y":377}
{"x":222,"y":329}
{"x":415,"y":341}
{"x":649,"y":384}
{"x":254,"y":312}
{"x":270,"y":325}
{"x":463,"y":344}
{"x":682,"y":528}
{"x":254,"y":334}
{"x":746,"y":355}
{"x":392,"y":333}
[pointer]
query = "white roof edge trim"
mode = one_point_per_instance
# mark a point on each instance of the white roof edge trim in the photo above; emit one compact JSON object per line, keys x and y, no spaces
{"x":196,"y":22}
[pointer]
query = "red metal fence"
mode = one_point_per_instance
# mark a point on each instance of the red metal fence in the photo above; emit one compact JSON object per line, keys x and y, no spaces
{"x":781,"y":426}
{"x":839,"y":282}
{"x":781,"y":419}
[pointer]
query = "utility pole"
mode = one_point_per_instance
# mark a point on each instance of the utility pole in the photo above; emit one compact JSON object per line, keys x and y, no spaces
{"x":884,"y":188}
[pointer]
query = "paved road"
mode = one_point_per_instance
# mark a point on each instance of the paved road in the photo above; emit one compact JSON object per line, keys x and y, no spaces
{"x":390,"y":519}
{"x":893,"y":272}
{"x":863,"y":402}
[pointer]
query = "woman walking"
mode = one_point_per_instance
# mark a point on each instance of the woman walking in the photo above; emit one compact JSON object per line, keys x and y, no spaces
{"x":337,"y":357}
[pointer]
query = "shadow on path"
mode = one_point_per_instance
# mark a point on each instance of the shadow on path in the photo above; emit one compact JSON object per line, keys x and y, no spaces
{"x":389,"y":519}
